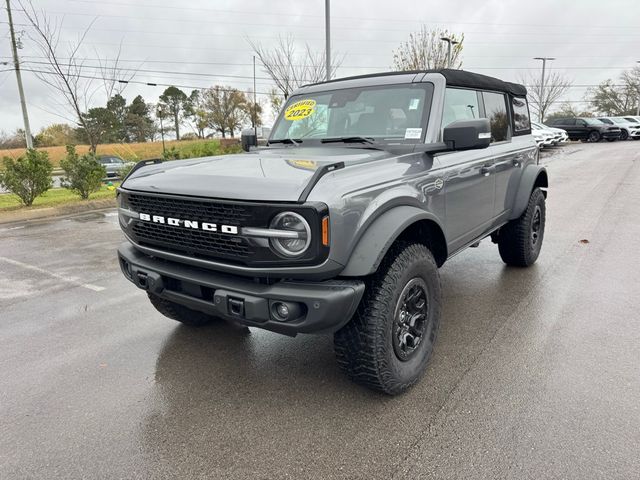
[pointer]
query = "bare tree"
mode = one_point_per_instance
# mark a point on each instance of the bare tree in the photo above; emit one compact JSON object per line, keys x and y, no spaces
{"x":426,"y":51}
{"x":64,"y":70}
{"x":542,"y":99}
{"x":290,"y":69}
{"x":115,"y":78}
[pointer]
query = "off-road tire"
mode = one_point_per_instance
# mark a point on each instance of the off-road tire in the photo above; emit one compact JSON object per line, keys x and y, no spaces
{"x":180,"y":313}
{"x":365,"y":346}
{"x":515,"y":239}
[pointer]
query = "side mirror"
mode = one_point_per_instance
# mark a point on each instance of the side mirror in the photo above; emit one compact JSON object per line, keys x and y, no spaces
{"x":467,"y":134}
{"x":248,"y":139}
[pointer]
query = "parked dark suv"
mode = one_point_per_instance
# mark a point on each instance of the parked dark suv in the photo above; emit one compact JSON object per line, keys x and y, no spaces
{"x":586,"y":129}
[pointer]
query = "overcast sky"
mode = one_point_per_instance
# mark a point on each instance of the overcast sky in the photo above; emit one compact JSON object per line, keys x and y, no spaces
{"x":200,"y":43}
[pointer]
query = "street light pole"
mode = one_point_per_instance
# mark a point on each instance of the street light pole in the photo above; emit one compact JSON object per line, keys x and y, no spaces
{"x":16,"y":66}
{"x":255,"y":101}
{"x":450,"y":42}
{"x":638,"y":106}
{"x":544,"y":66}
{"x":327,"y":33}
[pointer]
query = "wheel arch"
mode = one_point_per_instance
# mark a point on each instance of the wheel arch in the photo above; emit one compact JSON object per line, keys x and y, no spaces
{"x":403,"y":223}
{"x":534,"y":176}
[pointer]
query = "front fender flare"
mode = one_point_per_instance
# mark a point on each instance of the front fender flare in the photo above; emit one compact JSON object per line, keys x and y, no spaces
{"x":528,"y":180}
{"x":379,"y":236}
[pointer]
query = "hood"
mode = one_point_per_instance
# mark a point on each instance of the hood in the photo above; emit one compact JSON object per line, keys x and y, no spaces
{"x":272,"y":174}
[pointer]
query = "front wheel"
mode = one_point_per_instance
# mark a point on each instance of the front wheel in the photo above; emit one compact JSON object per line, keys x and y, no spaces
{"x":520,"y":240}
{"x":594,"y":136}
{"x":389,"y":340}
{"x":624,"y":135}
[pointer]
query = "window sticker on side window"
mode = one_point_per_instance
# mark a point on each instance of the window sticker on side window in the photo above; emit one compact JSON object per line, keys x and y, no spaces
{"x":413,"y":104}
{"x":300,"y":110}
{"x":413,"y":133}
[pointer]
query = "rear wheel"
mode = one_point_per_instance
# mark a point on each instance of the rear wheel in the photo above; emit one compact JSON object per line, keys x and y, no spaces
{"x":520,"y":240}
{"x":180,"y":313}
{"x":624,"y":135}
{"x":389,"y":340}
{"x":594,"y":136}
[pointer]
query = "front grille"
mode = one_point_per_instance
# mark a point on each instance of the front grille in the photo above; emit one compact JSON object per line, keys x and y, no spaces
{"x":191,"y":242}
{"x":230,"y":214}
{"x":188,"y":241}
{"x":215,"y":245}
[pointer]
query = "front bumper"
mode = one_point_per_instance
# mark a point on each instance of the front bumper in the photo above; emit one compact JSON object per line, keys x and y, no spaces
{"x":611,"y":134}
{"x":324,"y":306}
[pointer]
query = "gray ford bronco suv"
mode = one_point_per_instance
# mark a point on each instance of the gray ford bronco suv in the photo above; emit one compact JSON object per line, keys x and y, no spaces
{"x":367,"y":185}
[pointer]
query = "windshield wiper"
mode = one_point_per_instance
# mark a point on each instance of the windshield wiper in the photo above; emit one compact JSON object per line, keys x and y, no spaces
{"x":289,"y":141}
{"x":367,"y":140}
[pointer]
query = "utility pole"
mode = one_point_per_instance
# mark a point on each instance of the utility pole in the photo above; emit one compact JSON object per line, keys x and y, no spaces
{"x":16,"y":66}
{"x":450,"y":41}
{"x":544,"y":67}
{"x":327,"y":33}
{"x":255,"y":104}
{"x":638,"y":106}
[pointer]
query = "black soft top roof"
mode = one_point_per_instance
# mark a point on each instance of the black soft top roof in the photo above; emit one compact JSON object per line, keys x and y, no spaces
{"x":456,"y":78}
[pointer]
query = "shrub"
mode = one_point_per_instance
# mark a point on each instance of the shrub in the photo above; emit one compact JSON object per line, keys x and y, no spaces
{"x":27,"y":177}
{"x":171,"y":154}
{"x":124,"y":171}
{"x":84,"y":173}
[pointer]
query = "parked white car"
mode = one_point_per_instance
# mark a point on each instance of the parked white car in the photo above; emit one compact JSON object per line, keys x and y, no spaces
{"x":549,"y":138}
{"x":628,"y":128}
{"x":559,"y":135}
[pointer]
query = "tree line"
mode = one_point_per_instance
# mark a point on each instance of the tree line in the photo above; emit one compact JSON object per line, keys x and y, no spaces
{"x":224,"y":110}
{"x":219,"y":110}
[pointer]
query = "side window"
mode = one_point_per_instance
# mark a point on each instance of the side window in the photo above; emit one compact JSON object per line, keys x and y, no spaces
{"x":580,"y":122}
{"x":520,"y":114}
{"x":459,"y":104}
{"x":495,"y":107}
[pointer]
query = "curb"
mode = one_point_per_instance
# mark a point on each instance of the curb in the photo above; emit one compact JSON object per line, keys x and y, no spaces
{"x":54,"y":212}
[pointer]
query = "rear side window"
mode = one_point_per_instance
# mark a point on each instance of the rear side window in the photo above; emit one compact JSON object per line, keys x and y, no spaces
{"x":459,"y":104}
{"x":521,"y":120}
{"x":495,"y":108}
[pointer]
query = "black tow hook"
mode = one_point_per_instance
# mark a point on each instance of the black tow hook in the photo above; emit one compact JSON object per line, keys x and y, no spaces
{"x":143,"y":280}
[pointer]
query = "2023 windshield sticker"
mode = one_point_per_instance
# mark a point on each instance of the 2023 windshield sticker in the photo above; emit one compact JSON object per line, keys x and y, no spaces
{"x":300,"y":110}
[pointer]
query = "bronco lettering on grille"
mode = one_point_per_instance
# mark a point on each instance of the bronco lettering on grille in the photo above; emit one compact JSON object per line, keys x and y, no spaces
{"x":177,"y":222}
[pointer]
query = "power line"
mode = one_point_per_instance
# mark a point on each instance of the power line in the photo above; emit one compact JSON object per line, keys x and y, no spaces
{"x":149,"y":84}
{"x":359,"y":18}
{"x":306,"y":27}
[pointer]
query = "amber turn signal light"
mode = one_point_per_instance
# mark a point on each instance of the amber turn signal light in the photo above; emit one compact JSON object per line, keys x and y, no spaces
{"x":325,"y":231}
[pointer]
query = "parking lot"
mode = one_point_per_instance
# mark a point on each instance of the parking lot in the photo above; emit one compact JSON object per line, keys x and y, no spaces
{"x":535,"y":373}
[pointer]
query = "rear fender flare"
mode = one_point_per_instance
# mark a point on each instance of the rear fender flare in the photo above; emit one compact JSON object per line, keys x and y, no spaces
{"x":533,"y":176}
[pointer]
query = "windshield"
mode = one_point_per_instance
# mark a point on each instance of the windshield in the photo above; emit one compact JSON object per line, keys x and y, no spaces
{"x":592,"y":121}
{"x":384,"y":114}
{"x":620,"y":120}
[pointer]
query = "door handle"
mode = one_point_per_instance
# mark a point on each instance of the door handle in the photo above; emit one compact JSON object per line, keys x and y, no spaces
{"x":487,"y":170}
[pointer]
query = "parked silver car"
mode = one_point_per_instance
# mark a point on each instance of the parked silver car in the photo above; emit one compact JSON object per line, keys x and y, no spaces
{"x":113,"y":165}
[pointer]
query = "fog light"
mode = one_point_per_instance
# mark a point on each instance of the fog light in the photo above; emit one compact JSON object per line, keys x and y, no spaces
{"x":286,"y":311}
{"x":282,"y":310}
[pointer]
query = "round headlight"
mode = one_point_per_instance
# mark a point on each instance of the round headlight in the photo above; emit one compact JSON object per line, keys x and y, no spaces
{"x":295,"y":243}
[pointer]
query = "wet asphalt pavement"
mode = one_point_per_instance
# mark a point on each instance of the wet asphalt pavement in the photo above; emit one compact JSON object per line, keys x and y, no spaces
{"x":536,"y":373}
